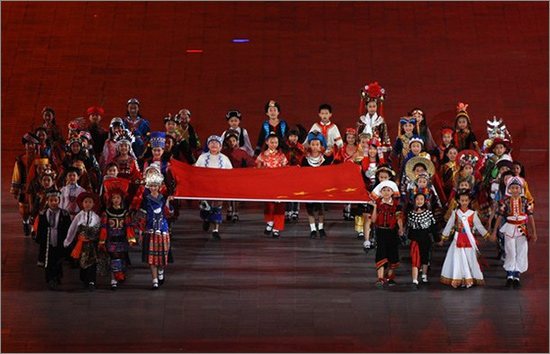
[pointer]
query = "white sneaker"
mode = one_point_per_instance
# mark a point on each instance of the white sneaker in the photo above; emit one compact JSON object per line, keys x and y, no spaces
{"x":425,"y":278}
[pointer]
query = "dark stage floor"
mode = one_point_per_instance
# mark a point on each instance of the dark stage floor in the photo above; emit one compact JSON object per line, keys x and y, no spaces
{"x":253,"y":293}
{"x":249,"y":293}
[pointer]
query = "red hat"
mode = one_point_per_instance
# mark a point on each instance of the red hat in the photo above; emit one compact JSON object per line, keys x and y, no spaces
{"x":114,"y":186}
{"x":496,"y":141}
{"x":95,"y":110}
{"x":85,"y":195}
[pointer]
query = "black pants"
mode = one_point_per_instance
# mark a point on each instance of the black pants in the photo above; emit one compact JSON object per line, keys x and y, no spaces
{"x":88,"y":275}
{"x":313,"y":207}
{"x":292,"y":206}
{"x":387,"y":250}
{"x":54,"y":270}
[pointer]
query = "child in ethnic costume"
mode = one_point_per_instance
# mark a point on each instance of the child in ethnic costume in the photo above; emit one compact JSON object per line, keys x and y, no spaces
{"x":234,"y":117}
{"x":156,"y":236}
{"x":348,"y":152}
{"x":372,"y":97}
{"x":188,"y":142}
{"x":386,"y":217}
{"x":316,"y":158}
{"x":85,"y":229}
{"x":98,"y":133}
{"x":273,"y":157}
{"x":408,"y":127}
{"x":239,"y":158}
{"x":461,"y":266}
{"x":116,"y":128}
{"x":369,"y":156}
{"x":211,"y":212}
{"x":117,"y":231}
{"x":422,"y":128}
{"x":440,"y":151}
{"x":20,"y":179}
{"x":137,"y":125}
{"x":39,"y":201}
{"x":383,"y":173}
{"x":295,"y":155}
{"x":448,"y":170}
{"x":52,"y":227}
{"x":421,"y":223}
{"x":464,"y":138}
{"x":71,"y":191}
{"x":329,"y":130}
{"x":516,"y":209}
{"x":54,"y":131}
{"x":274,"y":125}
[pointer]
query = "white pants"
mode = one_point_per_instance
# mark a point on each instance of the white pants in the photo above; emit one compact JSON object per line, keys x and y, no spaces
{"x":516,"y":248}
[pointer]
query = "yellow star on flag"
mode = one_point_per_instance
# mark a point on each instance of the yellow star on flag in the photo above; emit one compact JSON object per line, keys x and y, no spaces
{"x":331,"y":189}
{"x":281,"y":196}
{"x":350,"y":190}
{"x":300,"y":193}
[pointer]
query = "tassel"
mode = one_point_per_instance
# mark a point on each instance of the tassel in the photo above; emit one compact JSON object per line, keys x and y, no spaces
{"x":361,"y":107}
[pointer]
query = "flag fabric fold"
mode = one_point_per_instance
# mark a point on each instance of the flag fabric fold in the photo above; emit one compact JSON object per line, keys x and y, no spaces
{"x":340,"y":183}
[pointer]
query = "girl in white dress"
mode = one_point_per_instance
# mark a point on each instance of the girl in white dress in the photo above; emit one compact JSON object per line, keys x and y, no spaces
{"x":461,"y":266}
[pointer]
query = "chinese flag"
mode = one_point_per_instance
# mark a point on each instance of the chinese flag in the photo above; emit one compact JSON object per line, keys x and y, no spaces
{"x":341,"y":183}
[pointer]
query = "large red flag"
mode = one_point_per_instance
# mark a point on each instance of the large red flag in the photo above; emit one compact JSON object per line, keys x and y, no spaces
{"x":341,"y":183}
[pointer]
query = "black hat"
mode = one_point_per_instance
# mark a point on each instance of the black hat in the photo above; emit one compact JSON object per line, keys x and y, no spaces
{"x":233,"y":113}
{"x":29,"y":138}
{"x":272,"y":104}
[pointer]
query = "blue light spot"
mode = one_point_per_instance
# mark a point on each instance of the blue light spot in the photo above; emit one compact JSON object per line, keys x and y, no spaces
{"x":241,"y":40}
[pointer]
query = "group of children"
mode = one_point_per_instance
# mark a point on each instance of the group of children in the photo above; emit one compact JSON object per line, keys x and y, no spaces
{"x":98,"y":191}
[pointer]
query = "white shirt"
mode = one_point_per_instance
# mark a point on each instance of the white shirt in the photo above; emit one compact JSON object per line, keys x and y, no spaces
{"x":370,"y":122}
{"x":214,"y":161}
{"x":69,"y":193}
{"x":88,"y":218}
{"x":53,"y":220}
{"x":247,"y":145}
{"x":332,"y":137}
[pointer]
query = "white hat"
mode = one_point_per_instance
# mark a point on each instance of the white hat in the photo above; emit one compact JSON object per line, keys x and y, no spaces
{"x":383,"y":184}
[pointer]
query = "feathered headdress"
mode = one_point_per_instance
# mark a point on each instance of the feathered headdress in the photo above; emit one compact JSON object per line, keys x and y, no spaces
{"x":461,"y":111}
{"x":372,"y":92}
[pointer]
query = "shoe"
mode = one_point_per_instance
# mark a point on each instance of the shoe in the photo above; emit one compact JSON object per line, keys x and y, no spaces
{"x":287,"y":215}
{"x":91,"y":286}
{"x":294,"y":216}
{"x":509,"y":283}
{"x":414,"y":286}
{"x":391,"y":282}
{"x":267,"y":231}
{"x":113,"y":286}
{"x":425,"y":279}
{"x":155,"y":286}
{"x":51,"y":285}
{"x":27,"y":228}
{"x":322,"y":233}
{"x":313,"y":234}
{"x":276,"y":234}
{"x":216,"y":235}
{"x":379,"y":284}
{"x":40,"y":264}
{"x":361,"y":234}
{"x":516,"y":284}
{"x":161,"y":277}
{"x":205,"y":225}
{"x":235,"y":218}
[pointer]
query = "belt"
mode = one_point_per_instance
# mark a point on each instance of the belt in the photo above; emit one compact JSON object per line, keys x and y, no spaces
{"x":519,"y":222}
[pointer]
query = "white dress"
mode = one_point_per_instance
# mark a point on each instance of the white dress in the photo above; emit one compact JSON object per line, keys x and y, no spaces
{"x":461,"y":267}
